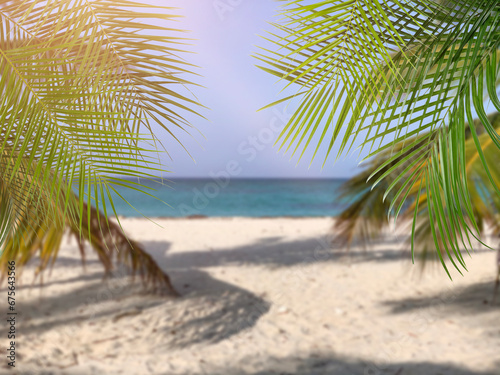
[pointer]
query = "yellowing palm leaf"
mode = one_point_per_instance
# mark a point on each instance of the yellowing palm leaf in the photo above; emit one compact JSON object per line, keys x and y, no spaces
{"x":82,"y":83}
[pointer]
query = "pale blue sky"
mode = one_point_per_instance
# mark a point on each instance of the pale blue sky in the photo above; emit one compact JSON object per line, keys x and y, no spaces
{"x":226,"y":33}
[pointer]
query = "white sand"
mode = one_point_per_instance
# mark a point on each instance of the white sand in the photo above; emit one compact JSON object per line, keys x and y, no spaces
{"x":259,"y":296}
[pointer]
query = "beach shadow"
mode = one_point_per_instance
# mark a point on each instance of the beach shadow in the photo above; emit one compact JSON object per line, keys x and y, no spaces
{"x":320,"y":365}
{"x":209,"y":310}
{"x":46,"y":280}
{"x":269,"y":240}
{"x":82,"y":304}
{"x":270,"y":251}
{"x":472,"y":299}
{"x":332,"y":365}
{"x":156,"y":248}
{"x":62,"y":260}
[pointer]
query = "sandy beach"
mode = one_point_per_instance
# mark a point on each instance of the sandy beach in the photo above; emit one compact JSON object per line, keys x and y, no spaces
{"x":259,"y":296}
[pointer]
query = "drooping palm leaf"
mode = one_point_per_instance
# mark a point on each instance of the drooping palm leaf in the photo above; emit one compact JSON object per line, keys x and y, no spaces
{"x":40,"y":231}
{"x":381,"y":73}
{"x":367,"y":215}
{"x":43,"y":236}
{"x":361,"y":217}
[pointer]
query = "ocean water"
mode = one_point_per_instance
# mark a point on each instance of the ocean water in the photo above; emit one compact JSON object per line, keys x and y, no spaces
{"x":237,"y":197}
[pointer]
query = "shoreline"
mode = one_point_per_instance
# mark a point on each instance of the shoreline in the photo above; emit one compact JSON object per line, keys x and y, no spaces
{"x":202,"y":217}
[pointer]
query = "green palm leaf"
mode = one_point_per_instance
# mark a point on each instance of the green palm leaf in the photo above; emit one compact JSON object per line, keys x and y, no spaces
{"x":381,"y":74}
{"x":361,"y":220}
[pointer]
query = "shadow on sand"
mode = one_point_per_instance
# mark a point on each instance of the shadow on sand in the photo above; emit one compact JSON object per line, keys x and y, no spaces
{"x":211,"y":310}
{"x":328,"y":365}
{"x":331,"y":365}
{"x":270,"y":251}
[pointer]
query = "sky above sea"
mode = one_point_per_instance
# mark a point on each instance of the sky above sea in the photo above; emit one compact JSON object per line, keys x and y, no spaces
{"x":225,"y":34}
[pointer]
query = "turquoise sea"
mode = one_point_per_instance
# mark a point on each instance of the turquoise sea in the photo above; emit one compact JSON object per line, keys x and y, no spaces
{"x":237,"y":197}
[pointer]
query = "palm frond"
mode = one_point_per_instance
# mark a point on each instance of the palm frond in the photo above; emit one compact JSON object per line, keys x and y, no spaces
{"x":382,"y":73}
{"x":42,"y":234}
{"x":82,"y":84}
{"x":414,"y":203}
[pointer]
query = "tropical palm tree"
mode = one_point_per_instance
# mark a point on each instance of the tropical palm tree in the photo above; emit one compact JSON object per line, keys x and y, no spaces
{"x":83,"y":85}
{"x":400,"y":79}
